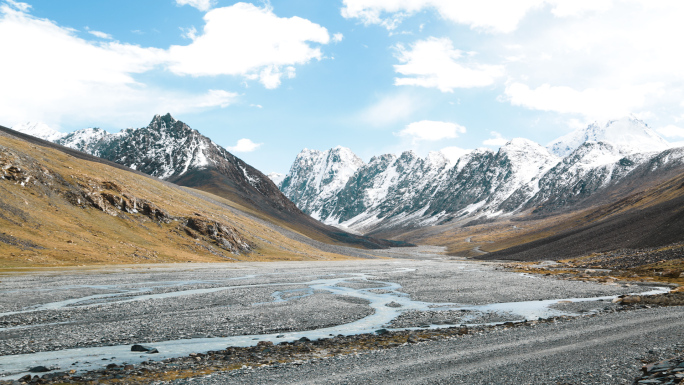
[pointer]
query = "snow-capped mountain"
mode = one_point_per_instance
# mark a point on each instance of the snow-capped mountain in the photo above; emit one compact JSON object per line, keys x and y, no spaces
{"x":39,"y":130}
{"x":627,"y":135}
{"x":169,"y":149}
{"x":316,"y":177}
{"x":522,"y":175}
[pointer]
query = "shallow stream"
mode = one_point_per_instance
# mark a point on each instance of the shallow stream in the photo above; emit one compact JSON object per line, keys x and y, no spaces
{"x":384,"y":297}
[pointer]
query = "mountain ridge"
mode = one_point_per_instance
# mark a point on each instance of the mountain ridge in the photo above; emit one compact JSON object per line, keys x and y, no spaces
{"x":170,"y":150}
{"x":522,"y":176}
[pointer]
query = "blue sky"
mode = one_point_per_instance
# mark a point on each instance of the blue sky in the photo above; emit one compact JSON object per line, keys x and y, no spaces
{"x":267,"y":79}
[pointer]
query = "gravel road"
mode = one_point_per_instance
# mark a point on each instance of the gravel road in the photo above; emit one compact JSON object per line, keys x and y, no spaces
{"x":605,"y":349}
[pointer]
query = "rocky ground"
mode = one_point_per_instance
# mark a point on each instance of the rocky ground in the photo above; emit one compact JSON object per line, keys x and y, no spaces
{"x":603,"y":341}
{"x":660,"y":264}
{"x":663,"y":372}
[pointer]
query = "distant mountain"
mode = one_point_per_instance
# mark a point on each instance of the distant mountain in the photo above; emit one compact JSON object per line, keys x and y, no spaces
{"x":39,"y":130}
{"x":650,"y":218}
{"x":170,"y":150}
{"x":522,"y":176}
{"x":62,"y":207}
{"x":627,"y":135}
{"x":317,"y":177}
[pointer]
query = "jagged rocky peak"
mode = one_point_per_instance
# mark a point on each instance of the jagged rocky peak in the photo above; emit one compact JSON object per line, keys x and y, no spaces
{"x":39,"y":130}
{"x":436,"y":158}
{"x":84,"y":140}
{"x":317,"y":176}
{"x":162,"y":122}
{"x":629,"y":135}
{"x":527,"y":153}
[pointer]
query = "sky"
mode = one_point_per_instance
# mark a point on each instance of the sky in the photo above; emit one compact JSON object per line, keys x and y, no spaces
{"x":266,"y":79}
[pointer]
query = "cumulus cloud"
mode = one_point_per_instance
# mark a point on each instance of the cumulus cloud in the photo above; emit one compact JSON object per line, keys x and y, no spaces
{"x":244,"y":145}
{"x":429,"y":130}
{"x":434,"y":63}
{"x":671,"y":131}
{"x":247,"y":40}
{"x":55,"y":76}
{"x":585,"y":58}
{"x":594,"y":102}
{"x":337,"y":37}
{"x":23,"y":7}
{"x":202,"y":5}
{"x":496,"y":140}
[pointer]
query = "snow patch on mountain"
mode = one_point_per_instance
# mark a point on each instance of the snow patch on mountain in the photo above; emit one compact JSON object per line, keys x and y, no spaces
{"x":86,"y":140}
{"x":39,"y":130}
{"x":628,"y":135}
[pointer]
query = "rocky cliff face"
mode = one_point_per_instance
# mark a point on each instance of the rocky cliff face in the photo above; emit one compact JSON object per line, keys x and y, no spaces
{"x":407,"y":190}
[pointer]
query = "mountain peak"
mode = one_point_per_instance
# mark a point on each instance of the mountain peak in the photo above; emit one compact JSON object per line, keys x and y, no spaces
{"x":629,"y":135}
{"x":163,"y":121}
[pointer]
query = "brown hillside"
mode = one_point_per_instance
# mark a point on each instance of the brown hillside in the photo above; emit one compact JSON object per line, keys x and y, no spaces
{"x":61,"y":207}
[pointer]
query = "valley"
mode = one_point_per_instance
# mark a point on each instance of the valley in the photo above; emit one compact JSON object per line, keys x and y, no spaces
{"x":114,"y":262}
{"x":210,"y":192}
{"x":82,"y":322}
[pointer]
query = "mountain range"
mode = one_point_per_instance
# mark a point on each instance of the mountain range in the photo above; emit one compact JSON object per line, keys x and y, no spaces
{"x":393,"y":192}
{"x":172,"y":151}
{"x":59,"y":206}
{"x":610,"y":185}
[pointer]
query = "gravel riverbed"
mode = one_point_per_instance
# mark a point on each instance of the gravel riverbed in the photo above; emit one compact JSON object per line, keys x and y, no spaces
{"x":183,"y":309}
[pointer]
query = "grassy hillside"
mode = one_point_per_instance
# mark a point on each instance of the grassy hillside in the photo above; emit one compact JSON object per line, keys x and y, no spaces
{"x":58,"y":209}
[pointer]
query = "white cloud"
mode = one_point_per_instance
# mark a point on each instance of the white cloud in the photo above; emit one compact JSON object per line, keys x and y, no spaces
{"x":23,"y":7}
{"x":391,"y":109}
{"x":496,"y":140}
{"x":54,"y":77}
{"x":244,"y":145}
{"x":603,"y":62}
{"x":620,"y":56}
{"x":599,"y":103}
{"x":246,"y":40}
{"x":429,"y":130}
{"x":564,"y":8}
{"x":671,"y":131}
{"x":434,"y":63}
{"x":202,"y":5}
{"x":337,"y":37}
{"x":101,"y":35}
{"x":189,"y":33}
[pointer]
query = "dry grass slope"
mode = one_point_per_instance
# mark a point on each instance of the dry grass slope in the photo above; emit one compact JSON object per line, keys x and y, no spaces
{"x":57,"y":210}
